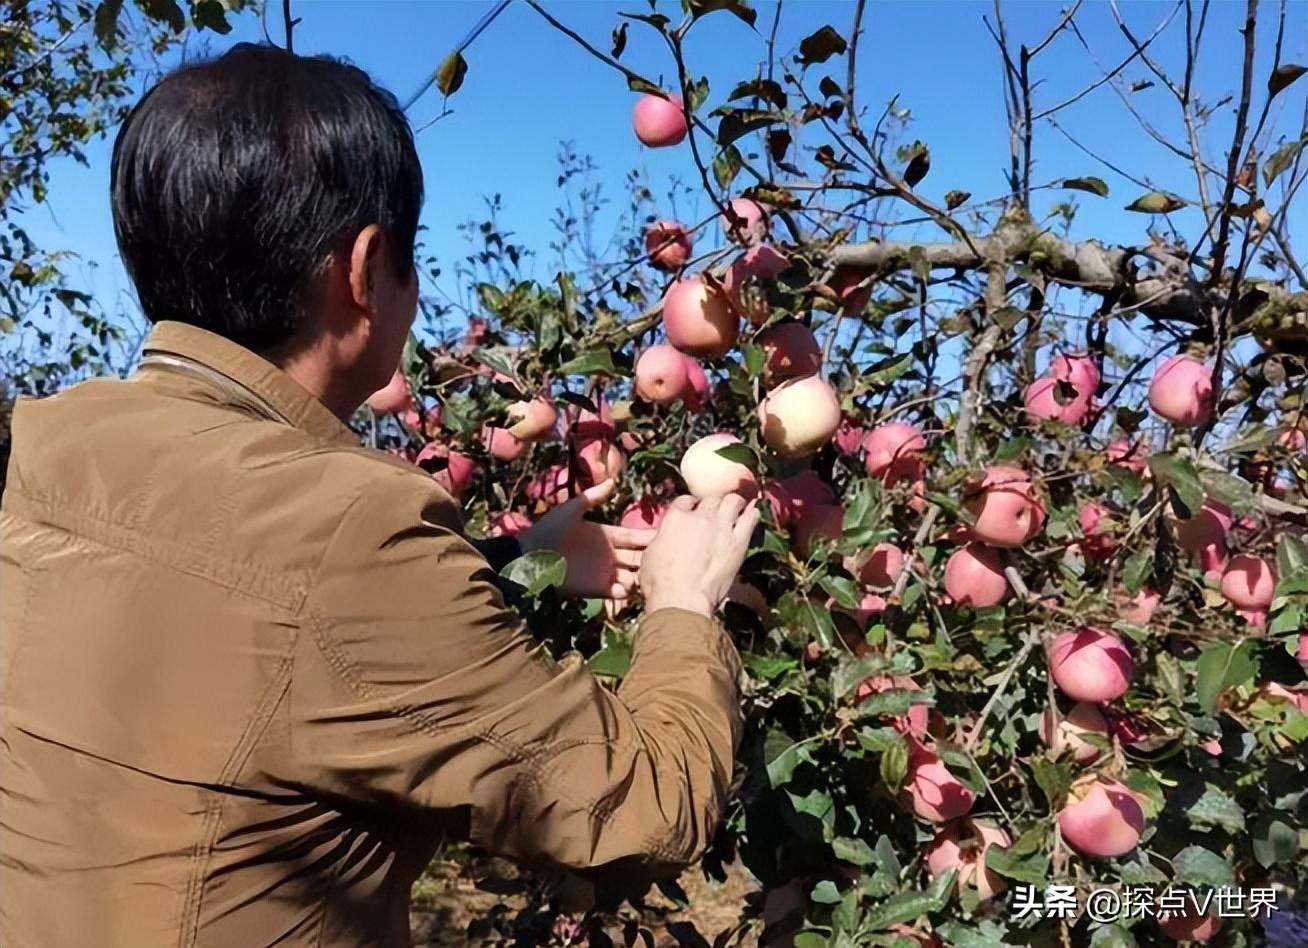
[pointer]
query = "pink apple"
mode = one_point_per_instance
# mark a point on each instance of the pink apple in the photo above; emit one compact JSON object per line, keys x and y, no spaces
{"x":750,"y":224}
{"x":661,"y":375}
{"x":1132,"y":455}
{"x":659,"y":122}
{"x":762,"y":262}
{"x":1301,"y":652}
{"x":849,"y":438}
{"x":501,"y":444}
{"x":789,"y":497}
{"x":934,"y":793}
{"x":709,"y":474}
{"x":1142,"y":607}
{"x":532,"y":420}
{"x":509,"y":523}
{"x":1103,"y":818}
{"x":1045,"y":401}
{"x":392,"y":399}
{"x":423,"y":423}
{"x":1079,"y":371}
{"x":458,"y":471}
{"x":817,"y":522}
{"x":551,"y":486}
{"x":893,"y":451}
{"x":696,"y":394}
{"x":1182,"y":391}
{"x":1189,"y":925}
{"x":1084,"y":718}
{"x":962,"y":846}
{"x":590,"y":425}
{"x":1204,"y":534}
{"x":1005,"y":506}
{"x":974,"y":576}
{"x":799,"y":416}
{"x":668,"y":244}
{"x":698,"y":319}
{"x":882,"y":566}
{"x":845,"y":282}
{"x":1249,"y":583}
{"x":600,"y":461}
{"x":1089,"y":664}
{"x":1099,"y":542}
{"x":920,"y":721}
{"x":646,"y":513}
{"x":791,"y":350}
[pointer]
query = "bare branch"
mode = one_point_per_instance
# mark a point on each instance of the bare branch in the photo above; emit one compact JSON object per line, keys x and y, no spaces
{"x":1237,"y":145}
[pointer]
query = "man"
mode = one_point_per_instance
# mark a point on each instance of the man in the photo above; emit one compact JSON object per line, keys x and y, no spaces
{"x":251,"y":674}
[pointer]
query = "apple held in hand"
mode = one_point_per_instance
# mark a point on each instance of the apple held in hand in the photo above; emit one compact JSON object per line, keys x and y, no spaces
{"x":799,"y":416}
{"x":709,"y":474}
{"x":658,"y":121}
{"x":646,"y":513}
{"x":698,"y":319}
{"x":1102,"y":818}
{"x":1182,"y":391}
{"x":668,"y":244}
{"x":1089,"y":664}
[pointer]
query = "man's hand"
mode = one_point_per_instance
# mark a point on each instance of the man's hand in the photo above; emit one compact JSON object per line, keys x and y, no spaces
{"x":698,"y":551}
{"x":603,"y":561}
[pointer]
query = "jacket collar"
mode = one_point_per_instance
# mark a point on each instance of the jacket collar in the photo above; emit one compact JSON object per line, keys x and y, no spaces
{"x":253,"y":378}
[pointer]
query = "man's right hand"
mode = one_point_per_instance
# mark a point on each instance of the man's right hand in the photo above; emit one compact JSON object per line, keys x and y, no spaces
{"x":697,"y":553}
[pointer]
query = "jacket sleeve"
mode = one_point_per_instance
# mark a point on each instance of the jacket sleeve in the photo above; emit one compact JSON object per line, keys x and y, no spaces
{"x":414,"y":685}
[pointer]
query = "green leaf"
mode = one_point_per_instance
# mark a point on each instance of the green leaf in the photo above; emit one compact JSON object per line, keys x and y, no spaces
{"x":821,"y":46}
{"x":1216,"y":808}
{"x":1274,"y":840}
{"x":497,"y":360}
{"x":765,"y":89}
{"x":1113,"y":936}
{"x":1291,"y":555}
{"x":643,"y":86}
{"x":768,"y":666}
{"x":1156,"y":202}
{"x":726,"y":166}
{"x":894,"y":764}
{"x":853,"y":850}
{"x":1179,"y":473}
{"x":1282,"y":158}
{"x":590,"y":362}
{"x":887,"y":370}
{"x":450,"y":73}
{"x":1295,"y":583}
{"x":1235,"y":492}
{"x":1283,"y":77}
{"x":782,"y":767}
{"x":1031,"y":867}
{"x":739,"y":122}
{"x":210,"y":15}
{"x":983,"y":933}
{"x":739,"y":453}
{"x":843,"y":590}
{"x":1221,"y":666}
{"x":907,"y":906}
{"x":536,"y":571}
{"x":1092,"y":184}
{"x":1197,"y":866}
{"x":1008,"y":317}
{"x":1053,"y":778}
{"x":1013,"y":448}
{"x":825,"y":893}
{"x":1137,"y":570}
{"x":614,"y":658}
{"x":1289,"y":618}
{"x":106,"y":23}
{"x":740,"y":8}
{"x":955,"y":199}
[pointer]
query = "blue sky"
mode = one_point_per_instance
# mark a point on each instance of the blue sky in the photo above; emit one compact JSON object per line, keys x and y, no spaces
{"x":528,"y":88}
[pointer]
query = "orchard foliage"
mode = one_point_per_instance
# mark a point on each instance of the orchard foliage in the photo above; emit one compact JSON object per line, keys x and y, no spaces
{"x":1029,"y":603}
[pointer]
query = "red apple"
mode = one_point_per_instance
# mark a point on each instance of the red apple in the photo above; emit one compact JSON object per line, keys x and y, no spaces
{"x":1301,"y":653}
{"x":845,"y":282}
{"x":661,"y":375}
{"x":646,"y":513}
{"x":532,"y":420}
{"x":934,"y":793}
{"x":799,"y":416}
{"x":920,"y":721}
{"x":1084,"y":718}
{"x":1006,"y":509}
{"x":882,"y":566}
{"x":1182,"y":391}
{"x":709,"y":474}
{"x":1102,"y":818}
{"x":698,"y":319}
{"x":815,"y":522}
{"x":1142,"y":607}
{"x":1128,"y":454}
{"x":791,"y":349}
{"x":659,"y":122}
{"x":392,"y":399}
{"x":1204,"y":534}
{"x":1079,"y":370}
{"x":1089,"y":664}
{"x":1045,"y":401}
{"x":551,"y":486}
{"x":600,"y":461}
{"x":457,"y":474}
{"x":750,"y":224}
{"x":893,"y":451}
{"x":789,"y":497}
{"x":696,"y":394}
{"x":1249,"y":583}
{"x":1099,"y":542}
{"x":1189,"y":925}
{"x":501,"y":444}
{"x":974,"y":576}
{"x":849,"y":438}
{"x":962,"y":846}
{"x":762,"y":262}
{"x":668,"y":244}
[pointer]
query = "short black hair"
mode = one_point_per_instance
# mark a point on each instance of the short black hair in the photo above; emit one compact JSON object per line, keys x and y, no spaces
{"x":234,"y":179}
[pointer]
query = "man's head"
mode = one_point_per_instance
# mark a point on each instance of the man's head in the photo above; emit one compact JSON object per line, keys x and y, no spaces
{"x":273,"y":199}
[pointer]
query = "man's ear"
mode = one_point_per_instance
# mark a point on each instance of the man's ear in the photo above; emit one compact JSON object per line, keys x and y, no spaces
{"x":365,"y":257}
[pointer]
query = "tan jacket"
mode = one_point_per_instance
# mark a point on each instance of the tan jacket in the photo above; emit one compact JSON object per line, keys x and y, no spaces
{"x":251,"y":676}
